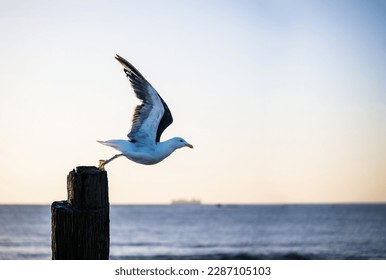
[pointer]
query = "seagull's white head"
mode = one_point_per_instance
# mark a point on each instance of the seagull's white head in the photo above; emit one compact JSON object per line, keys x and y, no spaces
{"x":178,"y":142}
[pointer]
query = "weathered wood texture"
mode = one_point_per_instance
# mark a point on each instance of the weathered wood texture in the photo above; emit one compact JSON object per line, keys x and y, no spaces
{"x":81,"y":225}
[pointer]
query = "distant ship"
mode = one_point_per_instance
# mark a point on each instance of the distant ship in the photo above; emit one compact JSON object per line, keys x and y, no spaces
{"x":186,"y":202}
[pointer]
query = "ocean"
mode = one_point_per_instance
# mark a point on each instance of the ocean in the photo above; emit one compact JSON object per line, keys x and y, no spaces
{"x":328,"y":231}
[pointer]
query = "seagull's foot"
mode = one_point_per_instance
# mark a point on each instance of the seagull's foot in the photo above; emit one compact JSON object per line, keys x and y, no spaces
{"x":102,"y":163}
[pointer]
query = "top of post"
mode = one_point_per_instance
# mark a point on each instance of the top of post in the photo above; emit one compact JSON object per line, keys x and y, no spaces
{"x":87,"y":188}
{"x":88,"y":169}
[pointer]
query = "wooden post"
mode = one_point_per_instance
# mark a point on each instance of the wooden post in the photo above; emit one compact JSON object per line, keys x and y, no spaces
{"x":81,"y":225}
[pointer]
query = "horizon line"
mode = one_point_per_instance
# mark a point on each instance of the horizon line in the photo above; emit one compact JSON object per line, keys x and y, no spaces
{"x":211,"y":204}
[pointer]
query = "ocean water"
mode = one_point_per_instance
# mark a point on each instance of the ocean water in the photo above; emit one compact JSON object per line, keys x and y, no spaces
{"x":346,"y":231}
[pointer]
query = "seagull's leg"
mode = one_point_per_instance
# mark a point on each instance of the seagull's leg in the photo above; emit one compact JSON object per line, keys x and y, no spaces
{"x":102,"y":162}
{"x":102,"y":165}
{"x":114,"y":157}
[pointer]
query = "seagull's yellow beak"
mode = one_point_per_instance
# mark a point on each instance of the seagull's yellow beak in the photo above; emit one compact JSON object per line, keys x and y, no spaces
{"x":189,"y":145}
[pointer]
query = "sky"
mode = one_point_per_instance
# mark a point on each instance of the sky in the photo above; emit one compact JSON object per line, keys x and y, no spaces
{"x":284,"y":101}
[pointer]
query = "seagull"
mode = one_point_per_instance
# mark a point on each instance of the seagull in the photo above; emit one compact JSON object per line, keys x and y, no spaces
{"x":150,"y":119}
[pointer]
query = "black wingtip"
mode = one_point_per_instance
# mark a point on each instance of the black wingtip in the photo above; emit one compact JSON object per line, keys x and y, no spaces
{"x":122,"y":61}
{"x":128,"y":66}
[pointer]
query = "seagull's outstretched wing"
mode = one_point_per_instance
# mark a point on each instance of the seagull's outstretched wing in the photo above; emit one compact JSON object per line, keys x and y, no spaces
{"x":151,"y":117}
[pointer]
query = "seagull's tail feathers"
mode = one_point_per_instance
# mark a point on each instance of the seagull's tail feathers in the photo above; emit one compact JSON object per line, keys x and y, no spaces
{"x":116,"y":144}
{"x":129,"y":68}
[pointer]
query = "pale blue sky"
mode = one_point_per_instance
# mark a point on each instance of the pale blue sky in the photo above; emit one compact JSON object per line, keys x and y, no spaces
{"x":284,"y":101}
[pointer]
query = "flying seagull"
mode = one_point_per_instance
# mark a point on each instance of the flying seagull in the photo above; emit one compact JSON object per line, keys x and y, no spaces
{"x":150,"y":119}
